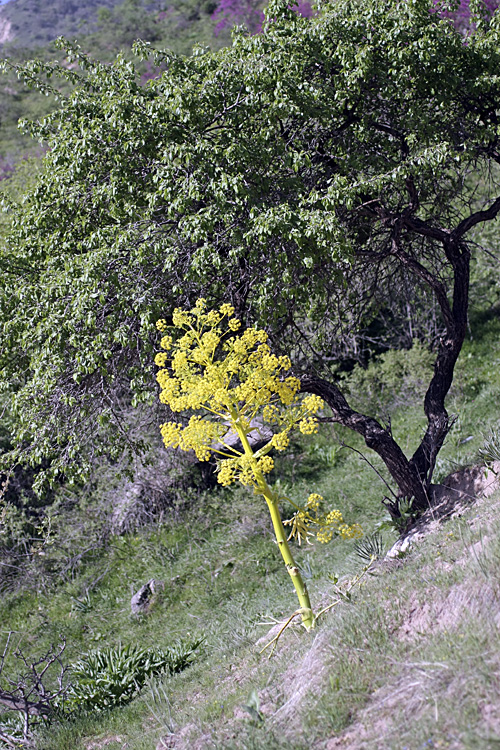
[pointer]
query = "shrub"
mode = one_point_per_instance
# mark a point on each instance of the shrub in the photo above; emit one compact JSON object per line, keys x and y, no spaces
{"x":114,"y":676}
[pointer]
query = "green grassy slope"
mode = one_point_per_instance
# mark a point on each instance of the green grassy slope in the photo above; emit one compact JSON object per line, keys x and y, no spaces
{"x":412,"y":658}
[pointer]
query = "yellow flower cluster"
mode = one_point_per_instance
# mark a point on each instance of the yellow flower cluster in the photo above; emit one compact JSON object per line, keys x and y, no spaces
{"x":335,"y":526}
{"x":198,"y":435}
{"x":313,"y":502}
{"x":332,"y":524}
{"x":281,"y":440}
{"x":229,"y":378}
{"x":244,"y":469}
{"x":308,"y":426}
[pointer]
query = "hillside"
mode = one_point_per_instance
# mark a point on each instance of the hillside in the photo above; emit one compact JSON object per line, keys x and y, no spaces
{"x":33,"y":23}
{"x":408,"y":658}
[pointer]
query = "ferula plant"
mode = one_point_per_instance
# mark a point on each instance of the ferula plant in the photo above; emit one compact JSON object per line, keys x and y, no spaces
{"x":233,"y":383}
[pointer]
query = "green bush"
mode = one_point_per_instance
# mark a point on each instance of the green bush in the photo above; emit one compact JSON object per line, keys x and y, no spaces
{"x":395,"y":378}
{"x":112,"y":677}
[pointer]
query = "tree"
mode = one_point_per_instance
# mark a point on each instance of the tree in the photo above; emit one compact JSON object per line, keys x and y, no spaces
{"x":311,"y":176}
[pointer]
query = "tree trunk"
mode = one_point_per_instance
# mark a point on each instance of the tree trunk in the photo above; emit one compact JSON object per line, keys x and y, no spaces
{"x":438,"y":423}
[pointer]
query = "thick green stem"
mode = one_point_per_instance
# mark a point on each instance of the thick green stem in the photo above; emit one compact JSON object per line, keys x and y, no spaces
{"x":294,"y":572}
{"x":272,"y":503}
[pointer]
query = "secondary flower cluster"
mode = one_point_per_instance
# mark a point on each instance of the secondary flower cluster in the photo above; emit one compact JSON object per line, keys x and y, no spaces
{"x":330,"y":525}
{"x":230,"y":379}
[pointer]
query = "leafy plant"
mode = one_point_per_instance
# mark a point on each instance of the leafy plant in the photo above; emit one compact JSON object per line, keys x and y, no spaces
{"x":325,"y":454}
{"x":252,"y":707}
{"x":370,"y":547}
{"x":114,"y":676}
{"x":490,"y":450}
{"x":392,"y":379}
{"x":402,"y":514}
{"x":12,"y":734}
{"x":232,"y":379}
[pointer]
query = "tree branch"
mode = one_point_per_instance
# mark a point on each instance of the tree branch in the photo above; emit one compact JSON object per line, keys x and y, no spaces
{"x":476,"y":218}
{"x":375,"y":436}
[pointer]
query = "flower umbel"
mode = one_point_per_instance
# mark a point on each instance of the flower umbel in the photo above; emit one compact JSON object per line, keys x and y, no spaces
{"x":329,"y":525}
{"x":228,"y":378}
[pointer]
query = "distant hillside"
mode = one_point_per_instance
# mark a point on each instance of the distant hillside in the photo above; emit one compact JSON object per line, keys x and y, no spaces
{"x":103,"y":31}
{"x":33,"y":23}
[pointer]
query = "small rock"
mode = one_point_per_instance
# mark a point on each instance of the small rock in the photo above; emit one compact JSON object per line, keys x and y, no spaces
{"x":142,"y":600}
{"x":399,"y":548}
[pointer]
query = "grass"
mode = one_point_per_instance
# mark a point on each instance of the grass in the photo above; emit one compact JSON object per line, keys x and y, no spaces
{"x":413,"y":658}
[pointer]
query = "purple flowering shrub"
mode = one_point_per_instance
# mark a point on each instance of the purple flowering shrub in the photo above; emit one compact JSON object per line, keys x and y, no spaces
{"x":236,"y":13}
{"x":462,"y":15}
{"x":249,"y":13}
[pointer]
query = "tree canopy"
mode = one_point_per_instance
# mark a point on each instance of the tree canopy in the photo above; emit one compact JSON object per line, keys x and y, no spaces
{"x":312,"y":176}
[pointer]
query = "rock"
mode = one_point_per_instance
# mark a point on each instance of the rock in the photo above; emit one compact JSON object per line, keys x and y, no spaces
{"x":143,"y":600}
{"x":260,"y":434}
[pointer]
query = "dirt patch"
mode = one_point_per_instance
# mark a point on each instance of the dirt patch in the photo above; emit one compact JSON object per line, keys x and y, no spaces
{"x":440,"y":615}
{"x":181,"y":739}
{"x":378,"y":724}
{"x":491,"y":717}
{"x":300,"y":679}
{"x":450,"y":498}
{"x":112,"y":739}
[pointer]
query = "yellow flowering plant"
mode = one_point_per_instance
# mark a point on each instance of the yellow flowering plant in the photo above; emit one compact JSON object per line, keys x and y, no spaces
{"x":230,"y":378}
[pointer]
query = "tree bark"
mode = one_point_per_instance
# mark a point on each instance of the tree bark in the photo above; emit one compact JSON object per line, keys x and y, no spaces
{"x":438,"y":423}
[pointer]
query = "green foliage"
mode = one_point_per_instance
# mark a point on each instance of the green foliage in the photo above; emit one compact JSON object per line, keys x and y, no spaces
{"x":325,"y":455}
{"x":12,"y":726}
{"x":195,"y":181}
{"x":112,"y":677}
{"x":279,"y":173}
{"x":490,"y":450}
{"x":406,"y":513}
{"x":392,"y":379}
{"x":370,"y":547}
{"x":115,"y":27}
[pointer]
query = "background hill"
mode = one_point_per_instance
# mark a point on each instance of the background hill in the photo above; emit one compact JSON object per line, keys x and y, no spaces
{"x":102,"y":28}
{"x":33,"y":23}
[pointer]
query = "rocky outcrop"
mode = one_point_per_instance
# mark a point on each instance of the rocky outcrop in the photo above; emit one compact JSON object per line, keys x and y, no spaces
{"x":6,"y":34}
